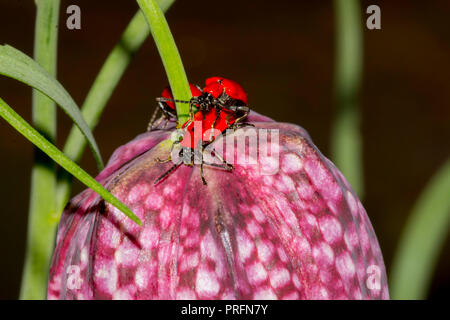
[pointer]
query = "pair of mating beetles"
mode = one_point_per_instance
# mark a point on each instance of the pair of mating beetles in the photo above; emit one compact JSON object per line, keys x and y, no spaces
{"x":221,"y":105}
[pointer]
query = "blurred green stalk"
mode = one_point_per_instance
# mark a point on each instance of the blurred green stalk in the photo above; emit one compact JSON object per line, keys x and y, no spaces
{"x":346,"y":140}
{"x":103,"y":87}
{"x":422,"y":239}
{"x":41,"y":225}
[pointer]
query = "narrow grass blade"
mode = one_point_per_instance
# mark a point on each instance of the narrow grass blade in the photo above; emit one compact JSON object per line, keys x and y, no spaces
{"x":106,"y":81}
{"x":39,"y":141}
{"x":41,"y":225}
{"x":422,"y":239}
{"x":19,"y":66}
{"x":169,"y":55}
{"x":346,"y":140}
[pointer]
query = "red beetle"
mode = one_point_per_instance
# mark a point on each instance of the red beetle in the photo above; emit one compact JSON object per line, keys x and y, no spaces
{"x":213,"y":124}
{"x":222,"y":94}
{"x":166,"y":104}
{"x":219,"y":93}
{"x":221,"y":105}
{"x":226,"y":91}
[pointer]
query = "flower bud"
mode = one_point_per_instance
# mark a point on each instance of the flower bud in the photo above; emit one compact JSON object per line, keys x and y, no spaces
{"x":283,"y":224}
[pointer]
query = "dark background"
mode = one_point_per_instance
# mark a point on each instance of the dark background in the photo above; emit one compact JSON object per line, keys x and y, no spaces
{"x":283,"y":54}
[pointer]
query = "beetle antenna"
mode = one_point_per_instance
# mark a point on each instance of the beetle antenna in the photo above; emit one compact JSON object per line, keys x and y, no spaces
{"x":172,"y":100}
{"x":168,"y":172}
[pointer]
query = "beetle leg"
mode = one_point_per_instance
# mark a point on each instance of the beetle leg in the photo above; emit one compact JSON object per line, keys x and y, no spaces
{"x":221,"y":166}
{"x":163,"y":160}
{"x":246,"y":111}
{"x":167,"y":115}
{"x":227,"y":120}
{"x":214,"y":124}
{"x":191,"y":112}
{"x":153,"y":118}
{"x":227,"y":166}
{"x":201,"y":169}
{"x":237,"y":126}
{"x":166,"y":122}
{"x":201,"y":174}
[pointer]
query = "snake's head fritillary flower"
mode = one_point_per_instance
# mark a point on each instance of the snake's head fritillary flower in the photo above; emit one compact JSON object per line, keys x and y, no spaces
{"x":281,"y":225}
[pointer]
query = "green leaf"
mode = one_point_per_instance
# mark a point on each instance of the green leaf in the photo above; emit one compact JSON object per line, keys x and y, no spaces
{"x":39,"y":141}
{"x":346,"y":140}
{"x":422,"y":239}
{"x":19,"y":66}
{"x":169,"y":54}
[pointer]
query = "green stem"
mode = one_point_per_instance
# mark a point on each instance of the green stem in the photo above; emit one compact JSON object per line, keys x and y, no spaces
{"x":422,"y":239}
{"x":41,"y":226}
{"x":346,"y":140}
{"x":169,"y":54}
{"x":106,"y":81}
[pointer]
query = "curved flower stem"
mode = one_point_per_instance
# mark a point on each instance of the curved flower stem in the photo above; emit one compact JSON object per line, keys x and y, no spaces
{"x":106,"y":81}
{"x":346,"y":144}
{"x":169,"y":55}
{"x":41,"y":228}
{"x":422,"y":239}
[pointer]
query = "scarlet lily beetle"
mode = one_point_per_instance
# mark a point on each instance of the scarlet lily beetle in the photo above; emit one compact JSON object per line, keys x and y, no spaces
{"x":192,"y":143}
{"x":166,"y":104}
{"x":219,"y":93}
{"x":222,"y":94}
{"x":222,"y":104}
